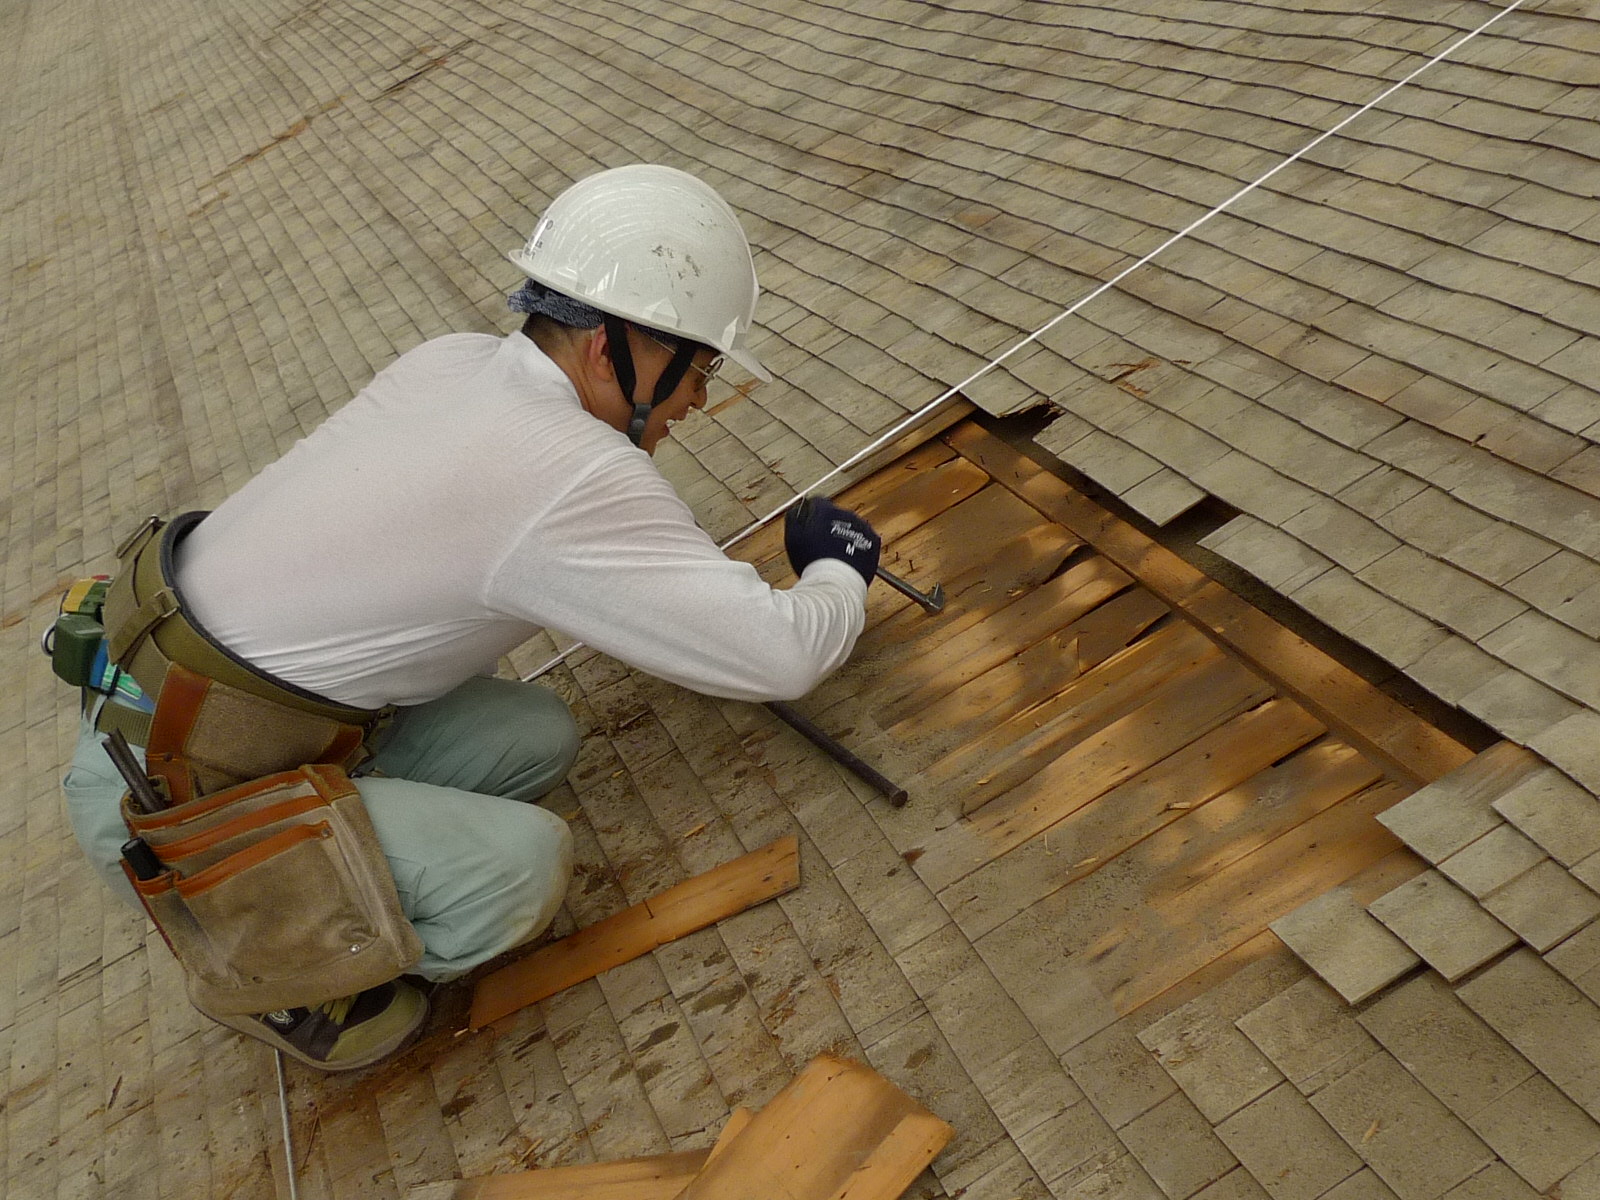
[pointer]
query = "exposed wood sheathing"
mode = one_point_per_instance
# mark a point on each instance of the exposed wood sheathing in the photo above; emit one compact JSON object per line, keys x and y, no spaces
{"x":966,"y":957}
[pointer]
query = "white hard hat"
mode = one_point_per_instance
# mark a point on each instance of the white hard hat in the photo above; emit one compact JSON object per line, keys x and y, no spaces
{"x":652,"y":245}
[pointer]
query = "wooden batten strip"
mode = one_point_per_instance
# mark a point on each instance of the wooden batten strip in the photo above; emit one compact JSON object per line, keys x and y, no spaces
{"x":1325,"y":686}
{"x":677,"y":912}
{"x":839,"y":1131}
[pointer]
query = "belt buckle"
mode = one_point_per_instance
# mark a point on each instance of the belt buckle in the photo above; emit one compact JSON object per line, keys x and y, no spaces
{"x":150,"y":523}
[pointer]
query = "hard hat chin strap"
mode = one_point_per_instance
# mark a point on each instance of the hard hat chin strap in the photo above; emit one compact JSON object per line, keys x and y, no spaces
{"x":627,"y":376}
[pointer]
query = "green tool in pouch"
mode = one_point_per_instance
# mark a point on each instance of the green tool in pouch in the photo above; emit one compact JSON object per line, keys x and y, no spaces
{"x":76,"y":646}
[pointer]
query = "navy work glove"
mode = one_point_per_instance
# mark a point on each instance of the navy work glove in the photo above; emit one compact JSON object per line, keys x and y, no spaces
{"x":817,"y":528}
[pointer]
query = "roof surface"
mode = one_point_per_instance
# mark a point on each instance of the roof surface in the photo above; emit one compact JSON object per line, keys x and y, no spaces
{"x":218,"y":219}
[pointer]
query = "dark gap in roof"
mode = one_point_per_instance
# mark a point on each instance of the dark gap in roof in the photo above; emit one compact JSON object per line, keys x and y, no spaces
{"x":1164,"y":621}
{"x":1198,"y":521}
{"x":1181,"y":536}
{"x":1281,"y":759}
{"x":1080,"y":555}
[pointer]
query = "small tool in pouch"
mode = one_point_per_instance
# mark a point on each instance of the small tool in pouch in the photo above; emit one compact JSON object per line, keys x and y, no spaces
{"x":142,"y":859}
{"x":145,"y":797}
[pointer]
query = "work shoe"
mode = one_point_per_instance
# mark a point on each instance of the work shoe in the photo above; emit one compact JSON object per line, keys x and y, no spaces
{"x":344,"y":1034}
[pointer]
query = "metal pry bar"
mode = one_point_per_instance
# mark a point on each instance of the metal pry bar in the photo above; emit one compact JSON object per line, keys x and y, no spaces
{"x":893,"y":792}
{"x":931,"y":601}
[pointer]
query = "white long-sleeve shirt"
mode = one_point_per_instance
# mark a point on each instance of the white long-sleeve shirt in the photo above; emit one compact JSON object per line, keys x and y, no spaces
{"x":463,"y":499}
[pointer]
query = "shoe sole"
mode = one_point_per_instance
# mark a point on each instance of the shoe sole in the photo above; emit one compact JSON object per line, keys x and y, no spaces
{"x":253,"y":1028}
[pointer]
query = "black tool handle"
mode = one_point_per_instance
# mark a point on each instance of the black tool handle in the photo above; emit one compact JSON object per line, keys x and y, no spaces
{"x":142,"y":859}
{"x":145,"y":797}
{"x":895,"y":794}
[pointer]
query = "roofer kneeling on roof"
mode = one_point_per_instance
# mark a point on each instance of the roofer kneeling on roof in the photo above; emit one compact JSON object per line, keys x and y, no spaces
{"x":340,"y":614}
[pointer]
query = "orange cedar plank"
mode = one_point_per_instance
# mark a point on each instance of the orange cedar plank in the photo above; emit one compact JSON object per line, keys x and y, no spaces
{"x":1077,"y":960}
{"x":979,"y":574}
{"x":1177,"y":715}
{"x":676,"y":912}
{"x":834,"y":1132}
{"x":969,"y":548}
{"x":1030,"y":617}
{"x":1108,"y":698}
{"x":1015,"y":744}
{"x":917,"y":498}
{"x":1119,"y":821}
{"x":963,"y":536}
{"x":1212,"y":695}
{"x":898,"y":1160}
{"x":1029,"y":680}
{"x":1181,"y":932}
{"x":738,"y":1119}
{"x":661,"y":1177}
{"x":1331,"y":690}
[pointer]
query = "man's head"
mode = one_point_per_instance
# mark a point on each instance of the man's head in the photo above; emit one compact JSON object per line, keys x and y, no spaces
{"x":580,"y":340}
{"x":640,"y":279}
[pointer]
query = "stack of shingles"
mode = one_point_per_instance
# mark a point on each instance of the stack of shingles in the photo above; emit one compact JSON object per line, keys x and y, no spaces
{"x":1475,"y":1079}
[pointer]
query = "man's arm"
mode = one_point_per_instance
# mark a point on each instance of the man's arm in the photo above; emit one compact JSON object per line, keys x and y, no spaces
{"x":620,"y":564}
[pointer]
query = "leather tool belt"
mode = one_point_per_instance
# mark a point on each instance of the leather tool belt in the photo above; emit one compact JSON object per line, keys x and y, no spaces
{"x":268,"y":881}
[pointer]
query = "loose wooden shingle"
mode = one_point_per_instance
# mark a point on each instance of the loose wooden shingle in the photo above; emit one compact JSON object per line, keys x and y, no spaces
{"x":680,"y":910}
{"x":1556,"y":813}
{"x":1492,"y":861}
{"x":839,"y":1130}
{"x":1443,"y":924}
{"x":1309,"y":1033}
{"x":1544,"y":905}
{"x":1540,"y":1133}
{"x":1345,"y":945}
{"x":1442,"y":818}
{"x":1554,"y":1025}
{"x":1409,"y":1138}
{"x":1288,"y":1146}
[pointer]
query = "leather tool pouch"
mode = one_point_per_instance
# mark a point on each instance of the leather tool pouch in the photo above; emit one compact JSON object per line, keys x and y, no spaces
{"x":273,"y":890}
{"x":274,"y":893}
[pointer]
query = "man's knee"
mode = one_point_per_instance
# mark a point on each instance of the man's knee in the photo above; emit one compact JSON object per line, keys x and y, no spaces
{"x":510,"y":893}
{"x":497,"y":737}
{"x":536,"y":736}
{"x":535,"y":855}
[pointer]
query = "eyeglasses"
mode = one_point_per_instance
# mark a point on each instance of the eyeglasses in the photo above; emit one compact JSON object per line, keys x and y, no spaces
{"x":708,"y":372}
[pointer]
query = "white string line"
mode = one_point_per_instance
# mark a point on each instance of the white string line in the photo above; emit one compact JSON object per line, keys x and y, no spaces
{"x":288,"y":1138}
{"x":927,"y":409}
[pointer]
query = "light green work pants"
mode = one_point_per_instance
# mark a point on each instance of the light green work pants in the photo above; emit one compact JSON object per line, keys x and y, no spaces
{"x":479,"y":867}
